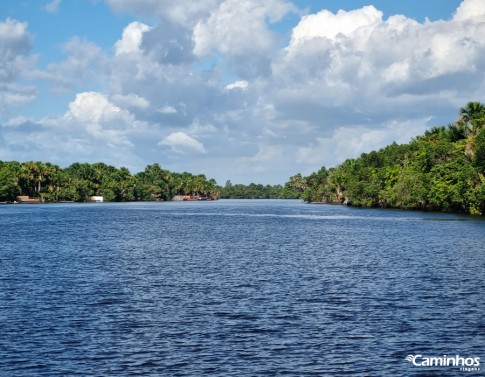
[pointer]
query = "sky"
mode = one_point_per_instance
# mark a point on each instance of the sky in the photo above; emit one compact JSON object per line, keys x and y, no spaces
{"x":240,"y":90}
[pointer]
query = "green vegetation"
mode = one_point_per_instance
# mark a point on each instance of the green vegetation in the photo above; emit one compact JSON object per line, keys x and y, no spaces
{"x":78,"y":182}
{"x":258,"y":191}
{"x":442,"y":170}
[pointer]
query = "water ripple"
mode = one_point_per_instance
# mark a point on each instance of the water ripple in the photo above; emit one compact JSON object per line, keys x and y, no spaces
{"x":236,"y":288}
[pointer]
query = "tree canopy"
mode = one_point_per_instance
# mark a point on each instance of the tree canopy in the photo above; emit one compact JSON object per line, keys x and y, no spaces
{"x":80,"y":181}
{"x":442,"y":170}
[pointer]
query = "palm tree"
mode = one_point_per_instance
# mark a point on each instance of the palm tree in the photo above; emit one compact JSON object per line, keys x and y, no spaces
{"x":199,"y":184}
{"x":48,"y":177}
{"x":472,"y":110}
{"x":31,"y":174}
{"x":177,"y":185}
{"x":298,"y":183}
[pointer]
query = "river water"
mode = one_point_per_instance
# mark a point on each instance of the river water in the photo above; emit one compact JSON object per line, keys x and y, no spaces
{"x":237,"y":288}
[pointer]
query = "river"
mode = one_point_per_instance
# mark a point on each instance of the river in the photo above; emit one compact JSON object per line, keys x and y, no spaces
{"x":237,"y":288}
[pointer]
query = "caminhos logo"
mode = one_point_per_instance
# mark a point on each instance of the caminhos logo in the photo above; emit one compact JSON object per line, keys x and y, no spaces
{"x":468,"y":364}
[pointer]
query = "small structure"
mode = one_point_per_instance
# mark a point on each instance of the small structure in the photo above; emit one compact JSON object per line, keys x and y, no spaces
{"x":27,"y":199}
{"x":96,"y":199}
{"x":192,"y":198}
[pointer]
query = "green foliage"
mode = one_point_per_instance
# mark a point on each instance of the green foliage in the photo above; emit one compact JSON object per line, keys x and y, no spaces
{"x":80,"y":181}
{"x":256,"y":191}
{"x":472,"y":111}
{"x":441,"y":170}
{"x":9,"y":180}
{"x":479,"y":153}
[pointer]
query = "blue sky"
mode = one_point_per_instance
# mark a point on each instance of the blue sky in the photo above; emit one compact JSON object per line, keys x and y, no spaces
{"x":432,"y":9}
{"x":244,"y":90}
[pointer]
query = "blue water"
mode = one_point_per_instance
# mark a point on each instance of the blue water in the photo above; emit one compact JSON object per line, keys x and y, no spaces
{"x":237,"y":288}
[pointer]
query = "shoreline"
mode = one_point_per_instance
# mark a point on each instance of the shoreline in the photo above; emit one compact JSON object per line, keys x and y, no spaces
{"x":415,"y":210}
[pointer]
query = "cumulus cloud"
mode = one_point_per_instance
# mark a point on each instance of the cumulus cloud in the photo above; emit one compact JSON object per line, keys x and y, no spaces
{"x":169,"y":43}
{"x":357,"y":68}
{"x":325,"y":24}
{"x":15,"y":95}
{"x":16,"y":60}
{"x":85,"y":63}
{"x":130,"y":101}
{"x":470,"y":10}
{"x":184,"y":13}
{"x":16,"y":41}
{"x":350,"y":142}
{"x":238,"y":29}
{"x":90,"y":107}
{"x":92,"y":129}
{"x":131,"y":39}
{"x":161,"y":71}
{"x":181,"y":142}
{"x":211,"y":78}
{"x":98,"y":116}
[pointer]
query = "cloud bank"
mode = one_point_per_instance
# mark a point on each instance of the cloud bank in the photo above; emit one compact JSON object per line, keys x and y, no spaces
{"x":212,"y":87}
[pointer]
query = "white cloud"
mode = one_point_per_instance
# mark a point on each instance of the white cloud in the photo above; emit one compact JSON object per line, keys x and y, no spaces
{"x":201,"y":129}
{"x":167,"y":109}
{"x":168,"y":43}
{"x":364,"y":70}
{"x":17,"y":121}
{"x":92,"y":129}
{"x":470,"y":10}
{"x":263,"y":163}
{"x":14,"y":95}
{"x":185,"y":13}
{"x":241,"y":84}
{"x":350,"y":142}
{"x":53,"y":6}
{"x":345,"y":83}
{"x":325,"y":24}
{"x":90,"y":107}
{"x":131,"y":100}
{"x":181,"y":142}
{"x":16,"y":61}
{"x":95,"y":114}
{"x":238,"y":27}
{"x":85,"y":63}
{"x":239,"y":30}
{"x":132,"y":38}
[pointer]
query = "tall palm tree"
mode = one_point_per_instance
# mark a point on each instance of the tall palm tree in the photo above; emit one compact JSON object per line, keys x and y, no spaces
{"x":30,"y":174}
{"x":298,"y":182}
{"x":472,"y":110}
{"x":199,"y":184}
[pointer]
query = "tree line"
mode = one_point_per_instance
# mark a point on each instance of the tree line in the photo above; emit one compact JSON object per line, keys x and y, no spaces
{"x":442,"y":170}
{"x":80,"y":181}
{"x":258,"y":191}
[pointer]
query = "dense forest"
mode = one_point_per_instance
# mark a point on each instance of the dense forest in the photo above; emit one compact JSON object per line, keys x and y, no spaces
{"x":258,"y":191}
{"x":80,"y":181}
{"x":442,"y":170}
